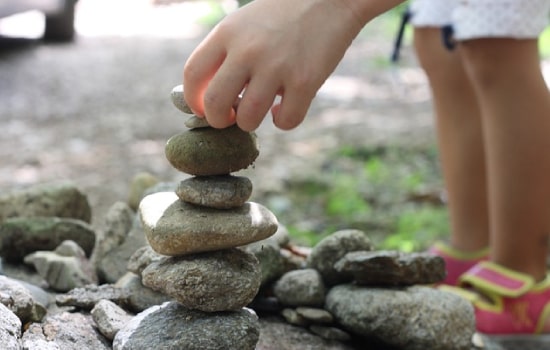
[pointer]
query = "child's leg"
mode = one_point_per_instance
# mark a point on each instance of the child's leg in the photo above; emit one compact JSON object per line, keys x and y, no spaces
{"x":460,"y":140}
{"x":515,"y":104}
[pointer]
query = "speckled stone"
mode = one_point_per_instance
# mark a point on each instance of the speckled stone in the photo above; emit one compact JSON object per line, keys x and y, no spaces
{"x":221,"y":192}
{"x":174,"y":227}
{"x":214,"y":281}
{"x":209,"y":151}
{"x":177,"y":99}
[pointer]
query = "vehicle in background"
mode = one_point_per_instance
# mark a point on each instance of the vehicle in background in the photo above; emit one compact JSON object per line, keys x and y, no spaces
{"x":59,"y":14}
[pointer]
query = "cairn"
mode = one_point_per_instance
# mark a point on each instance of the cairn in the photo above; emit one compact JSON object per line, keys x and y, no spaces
{"x":199,"y":227}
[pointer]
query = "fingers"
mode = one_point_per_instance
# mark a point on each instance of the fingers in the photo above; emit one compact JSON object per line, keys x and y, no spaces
{"x":291,"y":111}
{"x":197,"y":73}
{"x":256,"y":102}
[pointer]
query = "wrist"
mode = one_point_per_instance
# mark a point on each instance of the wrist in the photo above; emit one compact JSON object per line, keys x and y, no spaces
{"x":365,"y":10}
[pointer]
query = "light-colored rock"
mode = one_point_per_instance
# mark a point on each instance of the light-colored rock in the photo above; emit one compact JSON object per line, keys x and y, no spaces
{"x":65,"y":268}
{"x":215,"y":281}
{"x":176,"y":95}
{"x":142,"y":258}
{"x":10,"y":329}
{"x":221,"y":192}
{"x":194,"y":122}
{"x":56,"y":199}
{"x":62,"y":331}
{"x":24,"y":235}
{"x":174,"y":227}
{"x":412,"y":318}
{"x":315,"y":315}
{"x":114,"y":264}
{"x":20,"y":301}
{"x":300,"y":288}
{"x":139,"y":184}
{"x":330,"y":249}
{"x":292,"y":317}
{"x":209,"y":151}
{"x":112,"y":233}
{"x":109,"y":318}
{"x":386,"y":268}
{"x":171,"y":326}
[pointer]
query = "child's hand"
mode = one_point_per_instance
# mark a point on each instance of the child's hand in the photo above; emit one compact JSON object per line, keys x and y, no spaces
{"x":269,"y":47}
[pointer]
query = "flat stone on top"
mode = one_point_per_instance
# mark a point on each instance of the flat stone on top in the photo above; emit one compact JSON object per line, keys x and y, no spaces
{"x":209,"y":151}
{"x":392,"y":267}
{"x":221,"y":192}
{"x":174,"y":227}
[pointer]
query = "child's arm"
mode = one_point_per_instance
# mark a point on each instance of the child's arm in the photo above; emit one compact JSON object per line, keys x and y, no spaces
{"x":273,"y":47}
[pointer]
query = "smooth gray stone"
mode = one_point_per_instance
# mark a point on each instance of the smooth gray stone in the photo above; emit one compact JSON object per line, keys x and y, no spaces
{"x":209,"y":151}
{"x":22,"y":236}
{"x":139,"y":184}
{"x":330,"y":249}
{"x":412,"y":318}
{"x":174,"y":227}
{"x":194,"y":122}
{"x":213,"y":281}
{"x":172,"y":326}
{"x":300,"y":288}
{"x":220,"y":192}
{"x":315,"y":315}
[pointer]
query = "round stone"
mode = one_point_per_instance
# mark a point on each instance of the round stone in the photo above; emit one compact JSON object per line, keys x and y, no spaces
{"x":194,"y":122}
{"x":224,"y":280}
{"x":221,"y":192}
{"x":209,"y":151}
{"x":177,"y":99}
{"x":174,"y":227}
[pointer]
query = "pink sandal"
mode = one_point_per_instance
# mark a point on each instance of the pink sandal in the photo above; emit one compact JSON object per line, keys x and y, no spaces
{"x":456,"y":261}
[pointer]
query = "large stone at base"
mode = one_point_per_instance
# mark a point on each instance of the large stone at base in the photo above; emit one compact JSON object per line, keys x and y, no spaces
{"x":174,"y":227}
{"x":171,"y":326}
{"x":414,"y":318}
{"x":213,"y":281}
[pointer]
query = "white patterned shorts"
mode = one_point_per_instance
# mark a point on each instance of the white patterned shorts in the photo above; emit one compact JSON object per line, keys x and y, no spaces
{"x":474,"y":19}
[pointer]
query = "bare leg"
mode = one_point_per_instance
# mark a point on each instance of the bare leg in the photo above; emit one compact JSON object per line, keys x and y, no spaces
{"x":515,"y":105}
{"x":460,"y":140}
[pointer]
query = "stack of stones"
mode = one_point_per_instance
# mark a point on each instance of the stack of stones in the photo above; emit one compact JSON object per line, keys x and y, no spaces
{"x":199,"y":228}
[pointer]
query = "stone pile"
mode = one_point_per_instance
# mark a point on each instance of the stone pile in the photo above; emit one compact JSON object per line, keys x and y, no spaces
{"x":197,"y":230}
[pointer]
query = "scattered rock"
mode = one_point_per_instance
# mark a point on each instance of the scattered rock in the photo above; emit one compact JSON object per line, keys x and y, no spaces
{"x":381,"y":268}
{"x":174,"y":227}
{"x":60,"y":200}
{"x":139,"y":184}
{"x":10,"y":329}
{"x":140,"y":297}
{"x":272,"y":262}
{"x":142,"y":258}
{"x":221,"y":192}
{"x":300,"y":288}
{"x":114,"y":264}
{"x":315,"y":315}
{"x":65,"y":268}
{"x":20,"y":301}
{"x":278,"y":335}
{"x":330,"y":249}
{"x":65,"y":331}
{"x":24,"y":235}
{"x":86,"y":297}
{"x":160,"y":327}
{"x":330,"y":333}
{"x":442,"y":321}
{"x":209,"y":151}
{"x":118,"y":222}
{"x":109,"y":318}
{"x":293,"y":317}
{"x":215,"y":281}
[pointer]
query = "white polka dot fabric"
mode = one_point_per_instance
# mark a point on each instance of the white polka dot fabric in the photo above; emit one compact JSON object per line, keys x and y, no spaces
{"x":474,"y":19}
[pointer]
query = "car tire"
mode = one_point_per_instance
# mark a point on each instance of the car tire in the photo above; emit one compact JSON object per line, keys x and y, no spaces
{"x":60,"y":27}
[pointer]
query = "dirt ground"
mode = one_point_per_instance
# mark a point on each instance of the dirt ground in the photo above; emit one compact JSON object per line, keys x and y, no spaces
{"x":97,"y":111}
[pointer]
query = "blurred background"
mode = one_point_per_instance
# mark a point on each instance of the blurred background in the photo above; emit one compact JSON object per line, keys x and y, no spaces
{"x":94,"y":109}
